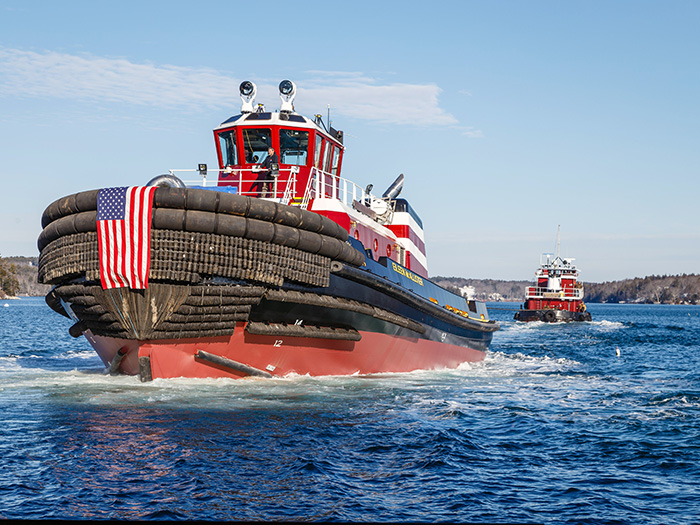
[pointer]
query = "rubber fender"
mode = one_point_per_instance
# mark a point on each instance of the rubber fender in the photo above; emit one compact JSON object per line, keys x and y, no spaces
{"x":76,"y":203}
{"x":262,"y":210}
{"x":309,"y":241}
{"x":260,"y":230}
{"x":77,"y":223}
{"x":231,"y":225}
{"x":77,"y":329}
{"x":311,"y":222}
{"x":168,"y":197}
{"x":329,"y":247}
{"x":289,"y":216}
{"x":181,"y":198}
{"x":351,"y":255}
{"x":202,"y":200}
{"x":54,"y":303}
{"x":199,"y":221}
{"x":286,"y":236}
{"x":85,"y":222}
{"x":340,"y":233}
{"x":168,"y":219}
{"x":234,"y":204}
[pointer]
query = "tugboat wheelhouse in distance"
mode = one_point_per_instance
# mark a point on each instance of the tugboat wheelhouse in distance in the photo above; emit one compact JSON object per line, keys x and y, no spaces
{"x":557,"y":294}
{"x":281,"y":267}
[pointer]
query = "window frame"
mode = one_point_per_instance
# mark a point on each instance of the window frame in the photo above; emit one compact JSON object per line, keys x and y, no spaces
{"x":270,"y":144}
{"x":280,"y":153}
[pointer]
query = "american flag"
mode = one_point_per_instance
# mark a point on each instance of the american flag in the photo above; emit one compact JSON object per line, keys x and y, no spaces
{"x":124,"y":236}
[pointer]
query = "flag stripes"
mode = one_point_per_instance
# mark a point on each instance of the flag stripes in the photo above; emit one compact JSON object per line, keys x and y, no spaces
{"x":124,"y":236}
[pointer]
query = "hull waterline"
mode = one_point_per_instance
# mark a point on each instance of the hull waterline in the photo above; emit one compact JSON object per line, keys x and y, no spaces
{"x":246,"y":355}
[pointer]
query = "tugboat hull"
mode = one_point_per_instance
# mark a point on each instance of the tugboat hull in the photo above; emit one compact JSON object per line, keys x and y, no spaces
{"x":248,"y":355}
{"x":551,"y":316}
{"x":282,"y":267}
{"x":231,"y":295}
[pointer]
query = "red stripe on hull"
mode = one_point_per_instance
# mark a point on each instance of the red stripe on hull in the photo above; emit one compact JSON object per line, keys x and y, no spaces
{"x":282,"y":355}
{"x":403,"y":231}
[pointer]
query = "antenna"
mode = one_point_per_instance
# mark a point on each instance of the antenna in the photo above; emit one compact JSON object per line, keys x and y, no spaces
{"x":558,"y":239}
{"x":329,"y":116}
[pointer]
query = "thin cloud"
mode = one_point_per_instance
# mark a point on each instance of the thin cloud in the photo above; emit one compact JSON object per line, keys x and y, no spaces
{"x":57,"y":75}
{"x":473,"y":133}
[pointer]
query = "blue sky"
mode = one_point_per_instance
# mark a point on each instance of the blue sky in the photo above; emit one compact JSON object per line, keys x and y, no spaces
{"x":508,"y":118}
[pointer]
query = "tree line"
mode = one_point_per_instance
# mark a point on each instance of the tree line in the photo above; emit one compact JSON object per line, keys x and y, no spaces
{"x":18,"y":276}
{"x":665,"y":289}
{"x":9,"y":284}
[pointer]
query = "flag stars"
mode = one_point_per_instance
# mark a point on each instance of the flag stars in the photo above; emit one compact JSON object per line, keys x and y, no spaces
{"x":111,"y":204}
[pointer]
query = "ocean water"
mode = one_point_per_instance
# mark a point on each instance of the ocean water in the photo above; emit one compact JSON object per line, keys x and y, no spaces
{"x":553,"y":427}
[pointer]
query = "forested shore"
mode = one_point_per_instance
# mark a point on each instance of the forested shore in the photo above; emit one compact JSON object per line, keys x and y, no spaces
{"x":18,"y":276}
{"x":662,"y":289}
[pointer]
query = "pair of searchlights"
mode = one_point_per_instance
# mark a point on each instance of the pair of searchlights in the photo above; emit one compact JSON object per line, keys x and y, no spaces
{"x":249,"y":90}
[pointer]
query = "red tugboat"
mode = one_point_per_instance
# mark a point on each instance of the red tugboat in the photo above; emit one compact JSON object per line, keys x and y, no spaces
{"x":281,"y":267}
{"x":557,"y":295}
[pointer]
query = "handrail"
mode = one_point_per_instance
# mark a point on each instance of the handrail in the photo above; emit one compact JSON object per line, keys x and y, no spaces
{"x":338,"y":188}
{"x":288,"y":190}
{"x":536,"y":292}
{"x":291,"y":189}
{"x":307,"y":191}
{"x":320,"y":185}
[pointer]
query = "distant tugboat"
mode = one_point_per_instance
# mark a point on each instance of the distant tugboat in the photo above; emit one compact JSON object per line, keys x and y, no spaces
{"x":557,"y":295}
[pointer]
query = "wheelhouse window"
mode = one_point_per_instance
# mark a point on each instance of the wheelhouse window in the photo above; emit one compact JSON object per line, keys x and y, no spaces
{"x":227,"y":145}
{"x":256,"y":141}
{"x":336,"y":161}
{"x":329,"y":156}
{"x":294,"y":146}
{"x":317,"y":151}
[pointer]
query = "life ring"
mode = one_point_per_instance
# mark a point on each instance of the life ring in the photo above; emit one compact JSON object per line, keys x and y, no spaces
{"x":388,"y":250}
{"x":549,"y":316}
{"x":357,"y":235}
{"x":376,"y":245}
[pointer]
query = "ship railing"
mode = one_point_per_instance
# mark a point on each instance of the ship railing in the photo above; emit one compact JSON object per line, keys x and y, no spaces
{"x":534,"y":292}
{"x":325,"y":185}
{"x":274,"y":190}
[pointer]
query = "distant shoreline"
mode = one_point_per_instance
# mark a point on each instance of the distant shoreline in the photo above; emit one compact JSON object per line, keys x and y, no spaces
{"x":665,"y":289}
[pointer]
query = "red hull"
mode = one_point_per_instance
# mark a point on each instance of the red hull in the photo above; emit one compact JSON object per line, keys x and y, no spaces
{"x":279,"y":356}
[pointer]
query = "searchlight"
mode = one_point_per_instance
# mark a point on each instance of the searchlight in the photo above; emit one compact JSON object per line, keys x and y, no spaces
{"x":248,"y":90}
{"x":288,"y":91}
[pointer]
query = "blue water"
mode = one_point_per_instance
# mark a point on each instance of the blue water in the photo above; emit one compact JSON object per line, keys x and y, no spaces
{"x":553,"y":427}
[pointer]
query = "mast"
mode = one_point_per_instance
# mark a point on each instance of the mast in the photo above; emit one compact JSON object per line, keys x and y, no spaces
{"x":558,"y":241}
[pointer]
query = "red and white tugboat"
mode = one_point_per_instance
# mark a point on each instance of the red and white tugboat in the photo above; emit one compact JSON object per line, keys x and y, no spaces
{"x":557,"y":295}
{"x":281,"y":267}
